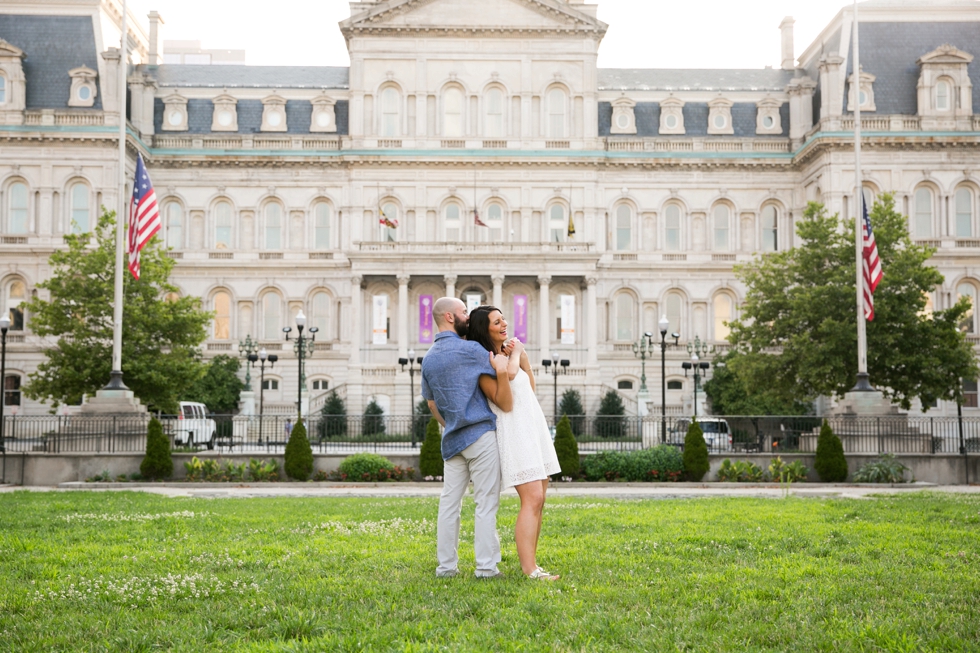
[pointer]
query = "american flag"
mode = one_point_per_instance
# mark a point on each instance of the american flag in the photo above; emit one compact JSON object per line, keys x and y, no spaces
{"x":144,"y":216}
{"x":872,"y":266}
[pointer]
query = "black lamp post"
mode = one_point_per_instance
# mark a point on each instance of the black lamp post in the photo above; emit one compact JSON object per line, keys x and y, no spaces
{"x":552,"y":366}
{"x":262,"y":357}
{"x":411,"y":362}
{"x":697,"y":349}
{"x":643,"y":348}
{"x":247,"y":348}
{"x":303,"y":347}
{"x":4,"y":325}
{"x":664,"y":324}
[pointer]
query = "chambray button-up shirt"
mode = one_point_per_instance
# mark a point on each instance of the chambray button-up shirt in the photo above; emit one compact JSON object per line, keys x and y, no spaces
{"x":451,"y":373}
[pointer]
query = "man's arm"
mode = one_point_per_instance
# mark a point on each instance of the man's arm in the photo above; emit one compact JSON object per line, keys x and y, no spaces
{"x":435,"y":413}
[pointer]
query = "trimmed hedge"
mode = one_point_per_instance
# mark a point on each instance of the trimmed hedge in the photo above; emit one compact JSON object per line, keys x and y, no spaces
{"x":830,"y":463}
{"x":157,"y":463}
{"x":695,"y":453}
{"x":299,"y":454}
{"x":662,"y":463}
{"x":567,"y":449}
{"x":430,"y":456}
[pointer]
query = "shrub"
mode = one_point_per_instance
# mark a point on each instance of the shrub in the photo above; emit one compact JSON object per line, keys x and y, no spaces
{"x":783,"y":472}
{"x":830,"y":464}
{"x":420,"y":421}
{"x":374,"y":420}
{"x":157,"y":463}
{"x":299,"y":455}
{"x":430,"y":456}
{"x":741,"y":471}
{"x":567,"y":448}
{"x":695,"y":453}
{"x":662,"y":463}
{"x":604,"y":466}
{"x":610,"y":421}
{"x":261,"y":470}
{"x":571,"y":405}
{"x":366,"y":467}
{"x":882,"y":470}
{"x":333,"y":417}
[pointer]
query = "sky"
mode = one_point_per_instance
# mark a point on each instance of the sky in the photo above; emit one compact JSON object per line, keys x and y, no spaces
{"x":642,"y":33}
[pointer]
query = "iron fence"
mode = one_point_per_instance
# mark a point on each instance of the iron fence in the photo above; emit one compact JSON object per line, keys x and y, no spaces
{"x":400,"y":433}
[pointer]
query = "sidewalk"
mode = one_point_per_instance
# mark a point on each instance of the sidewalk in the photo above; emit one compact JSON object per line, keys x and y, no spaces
{"x":594,"y":490}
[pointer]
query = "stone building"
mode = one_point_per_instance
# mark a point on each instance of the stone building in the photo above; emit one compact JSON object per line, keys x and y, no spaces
{"x":585,"y":202}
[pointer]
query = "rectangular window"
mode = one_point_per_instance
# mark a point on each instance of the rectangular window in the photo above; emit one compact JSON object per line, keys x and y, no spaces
{"x":969,"y":393}
{"x":11,"y":390}
{"x":222,"y":229}
{"x":18,"y":209}
{"x":923,"y":213}
{"x":3,"y":89}
{"x":273,"y":227}
{"x":964,"y":213}
{"x":322,"y":226}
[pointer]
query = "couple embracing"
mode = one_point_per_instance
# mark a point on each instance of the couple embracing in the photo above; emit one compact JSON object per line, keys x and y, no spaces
{"x":480,"y":387}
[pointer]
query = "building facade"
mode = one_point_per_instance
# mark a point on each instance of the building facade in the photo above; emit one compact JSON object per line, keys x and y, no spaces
{"x":584,"y":202}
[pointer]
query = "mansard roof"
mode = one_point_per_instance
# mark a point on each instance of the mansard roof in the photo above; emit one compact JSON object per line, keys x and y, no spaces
{"x":653,"y":79}
{"x":240,"y":76}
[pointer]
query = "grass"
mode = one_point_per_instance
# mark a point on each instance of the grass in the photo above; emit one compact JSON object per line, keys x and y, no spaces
{"x":136,"y":572}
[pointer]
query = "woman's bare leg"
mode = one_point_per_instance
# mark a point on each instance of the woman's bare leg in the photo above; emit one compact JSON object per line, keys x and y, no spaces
{"x":529,"y":524}
{"x":544,"y":491}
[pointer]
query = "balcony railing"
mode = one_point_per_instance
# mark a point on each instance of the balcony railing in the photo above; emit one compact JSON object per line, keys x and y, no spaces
{"x":474,"y":248}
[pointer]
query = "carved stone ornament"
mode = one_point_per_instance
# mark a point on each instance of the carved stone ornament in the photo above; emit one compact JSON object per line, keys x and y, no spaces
{"x":672,"y":116}
{"x":174,"y":113}
{"x":274,"y":113}
{"x":83,"y":87}
{"x":867,"y":91}
{"x":768,"y":122}
{"x":225,"y":117}
{"x":623,"y":117}
{"x":720,"y":116}
{"x":324,"y":118}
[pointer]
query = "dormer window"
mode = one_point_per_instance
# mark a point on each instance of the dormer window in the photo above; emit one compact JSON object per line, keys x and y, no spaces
{"x":768,"y":120}
{"x":866,"y":93}
{"x":225,"y":117}
{"x":943,"y":93}
{"x":12,"y":83}
{"x":3,"y":89}
{"x":324,"y":117}
{"x":175,"y":113}
{"x":720,"y":116}
{"x":672,"y":116}
{"x":274,"y":114}
{"x":623,"y":117}
{"x":83,"y":88}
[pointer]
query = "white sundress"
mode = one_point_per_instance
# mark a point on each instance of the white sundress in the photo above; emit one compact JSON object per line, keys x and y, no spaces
{"x":523,"y":438}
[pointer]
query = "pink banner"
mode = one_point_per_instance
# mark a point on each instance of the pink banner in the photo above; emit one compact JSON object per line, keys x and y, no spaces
{"x":520,"y":317}
{"x":425,"y":318}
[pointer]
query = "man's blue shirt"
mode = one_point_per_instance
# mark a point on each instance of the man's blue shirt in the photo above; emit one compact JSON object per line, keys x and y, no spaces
{"x":451,"y":373}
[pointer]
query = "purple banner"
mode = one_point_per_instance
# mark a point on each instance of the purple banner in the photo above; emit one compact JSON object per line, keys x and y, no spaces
{"x":520,"y":317}
{"x":425,"y":319}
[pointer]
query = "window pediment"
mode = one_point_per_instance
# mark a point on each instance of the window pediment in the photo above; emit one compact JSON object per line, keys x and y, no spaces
{"x":767,"y":118}
{"x":945,"y":54}
{"x":324,"y":118}
{"x":9,"y":51}
{"x":867,"y":94}
{"x":274,"y":113}
{"x":174,"y":113}
{"x":945,"y":92}
{"x":225,"y":116}
{"x":672,"y":116}
{"x":83,"y":87}
{"x":623,"y":116}
{"x":720,"y":116}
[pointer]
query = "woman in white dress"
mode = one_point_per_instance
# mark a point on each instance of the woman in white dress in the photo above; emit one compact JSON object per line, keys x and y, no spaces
{"x":527,"y":454}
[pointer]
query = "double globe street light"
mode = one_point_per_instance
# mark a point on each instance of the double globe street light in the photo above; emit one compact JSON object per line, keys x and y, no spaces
{"x":4,"y":326}
{"x":697,"y":349}
{"x":553,"y":366}
{"x":303,"y":348}
{"x":261,"y":358}
{"x":411,"y":362}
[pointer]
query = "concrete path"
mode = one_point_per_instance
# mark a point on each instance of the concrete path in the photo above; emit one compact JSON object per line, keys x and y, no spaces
{"x":594,"y":490}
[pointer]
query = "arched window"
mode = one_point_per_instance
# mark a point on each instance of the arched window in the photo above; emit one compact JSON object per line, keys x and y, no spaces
{"x":556,"y":113}
{"x":390,"y":234}
{"x":271,"y":322}
{"x":452,"y":123}
{"x":222,"y":316}
{"x":928,"y":308}
{"x":17,"y":222}
{"x":273,"y":226}
{"x":969,"y":291}
{"x":495,"y":223}
{"x":624,"y":317}
{"x":222,"y":225}
{"x":673,"y":312}
{"x":321,"y":225}
{"x":722,"y":309}
{"x":16,"y":295}
{"x":453,"y":223}
{"x":175,"y":225}
{"x":722,"y":220}
{"x":3,"y":89}
{"x":672,"y":228}
{"x":495,"y":113}
{"x":79,"y":209}
{"x":770,"y":229}
{"x":923,"y":213}
{"x":624,"y":227}
{"x":964,"y":213}
{"x":390,"y":123}
{"x":675,"y":385}
{"x":944,"y":92}
{"x":320,"y":313}
{"x":557,"y":225}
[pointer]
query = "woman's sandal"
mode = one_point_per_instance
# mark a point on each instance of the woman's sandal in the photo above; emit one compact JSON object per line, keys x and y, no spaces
{"x":541,"y":574}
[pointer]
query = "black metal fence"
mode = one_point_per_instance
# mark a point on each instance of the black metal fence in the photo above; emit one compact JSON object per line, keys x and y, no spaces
{"x":393,"y":434}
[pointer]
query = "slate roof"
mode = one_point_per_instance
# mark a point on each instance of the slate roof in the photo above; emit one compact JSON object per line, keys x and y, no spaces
{"x":239,"y":76}
{"x":647,"y":115}
{"x":200,"y":113}
{"x":652,"y":79}
{"x":53,"y":45}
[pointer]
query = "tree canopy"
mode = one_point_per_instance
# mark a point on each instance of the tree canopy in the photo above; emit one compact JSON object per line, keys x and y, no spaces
{"x":162,"y":331}
{"x":796,"y":337}
{"x":219,"y":388}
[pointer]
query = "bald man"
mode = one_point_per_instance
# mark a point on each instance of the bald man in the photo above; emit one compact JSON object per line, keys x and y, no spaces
{"x":451,"y":372}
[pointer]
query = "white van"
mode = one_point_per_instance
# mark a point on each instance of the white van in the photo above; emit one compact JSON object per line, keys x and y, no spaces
{"x":717,"y":434}
{"x":193,"y":426}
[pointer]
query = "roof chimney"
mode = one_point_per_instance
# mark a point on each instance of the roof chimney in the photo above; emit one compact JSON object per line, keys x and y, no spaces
{"x":786,"y":27}
{"x":155,"y":21}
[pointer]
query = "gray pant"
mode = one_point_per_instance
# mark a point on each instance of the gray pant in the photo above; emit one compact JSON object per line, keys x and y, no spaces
{"x":481,"y":462}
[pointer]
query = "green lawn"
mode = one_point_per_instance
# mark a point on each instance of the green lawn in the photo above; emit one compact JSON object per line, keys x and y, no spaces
{"x":136,"y":572}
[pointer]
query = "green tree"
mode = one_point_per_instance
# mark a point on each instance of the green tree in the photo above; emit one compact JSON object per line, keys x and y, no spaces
{"x":157,"y":463}
{"x":567,"y":448}
{"x":571,"y":405}
{"x":219,"y":389}
{"x":729,"y":394}
{"x":373,"y":422}
{"x":430,"y":456}
{"x":830,"y":463}
{"x":797,"y":333}
{"x":299,"y":454}
{"x":695,"y":453}
{"x":610,"y":421}
{"x":420,"y":420}
{"x":161,"y":335}
{"x":333,"y":417}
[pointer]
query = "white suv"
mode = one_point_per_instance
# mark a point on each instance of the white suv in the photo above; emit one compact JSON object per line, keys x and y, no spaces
{"x":717,"y":434}
{"x":193,"y":425}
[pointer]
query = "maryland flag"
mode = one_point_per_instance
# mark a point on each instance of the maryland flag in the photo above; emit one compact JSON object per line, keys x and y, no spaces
{"x":571,"y":225}
{"x":385,"y":220}
{"x":476,"y":219}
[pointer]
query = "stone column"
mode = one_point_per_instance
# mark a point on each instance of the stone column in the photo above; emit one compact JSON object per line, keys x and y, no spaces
{"x":498,"y":291}
{"x":544,"y":316}
{"x":450,"y":280}
{"x":356,"y":319}
{"x":592,"y":316}
{"x":403,"y":280}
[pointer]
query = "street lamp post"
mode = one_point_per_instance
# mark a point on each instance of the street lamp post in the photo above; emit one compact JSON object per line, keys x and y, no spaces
{"x":643,"y":348}
{"x":247,"y":348}
{"x":303,"y":347}
{"x":261,"y":358}
{"x":664,"y":324}
{"x":697,"y":349}
{"x":4,"y":325}
{"x":411,"y":361}
{"x":552,"y":366}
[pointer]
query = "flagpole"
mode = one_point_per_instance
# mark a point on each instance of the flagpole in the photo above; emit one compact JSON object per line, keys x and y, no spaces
{"x":116,"y":381}
{"x":862,"y":375}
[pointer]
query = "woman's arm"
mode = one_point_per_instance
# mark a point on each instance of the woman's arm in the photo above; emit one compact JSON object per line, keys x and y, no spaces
{"x":497,"y":389}
{"x":514,"y":364}
{"x":526,"y":366}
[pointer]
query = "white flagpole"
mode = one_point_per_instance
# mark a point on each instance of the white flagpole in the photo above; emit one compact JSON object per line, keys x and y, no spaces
{"x":116,"y":382}
{"x":862,"y":375}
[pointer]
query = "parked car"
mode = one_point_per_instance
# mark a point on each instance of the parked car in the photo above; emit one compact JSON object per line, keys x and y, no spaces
{"x":193,"y":426}
{"x":717,"y":434}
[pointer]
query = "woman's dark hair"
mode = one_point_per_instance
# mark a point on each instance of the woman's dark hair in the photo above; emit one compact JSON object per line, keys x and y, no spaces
{"x":479,"y":328}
